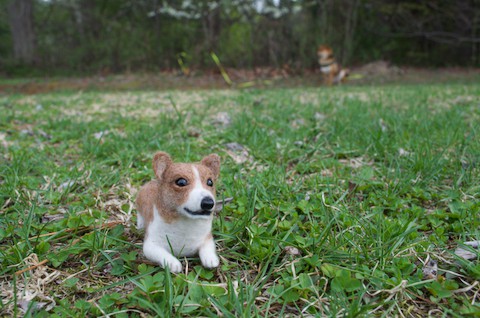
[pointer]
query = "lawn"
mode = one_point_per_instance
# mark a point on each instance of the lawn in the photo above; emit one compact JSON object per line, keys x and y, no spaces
{"x":347,"y":201}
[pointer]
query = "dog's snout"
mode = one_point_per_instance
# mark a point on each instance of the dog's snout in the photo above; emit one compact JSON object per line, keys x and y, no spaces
{"x":207,"y":203}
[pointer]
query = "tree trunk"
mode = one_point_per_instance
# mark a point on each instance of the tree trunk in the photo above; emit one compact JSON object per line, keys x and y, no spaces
{"x":350,"y":24}
{"x":20,"y":19}
{"x":211,"y":27}
{"x":475,"y":44}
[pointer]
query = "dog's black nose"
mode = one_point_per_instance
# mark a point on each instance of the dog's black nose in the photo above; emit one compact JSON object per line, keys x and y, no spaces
{"x":207,"y":203}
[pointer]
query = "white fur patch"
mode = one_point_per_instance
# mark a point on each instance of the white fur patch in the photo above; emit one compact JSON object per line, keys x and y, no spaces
{"x":195,"y":197}
{"x":342,"y":74}
{"x":208,"y":254}
{"x":184,"y":237}
{"x":326,"y":69}
{"x":140,"y":221}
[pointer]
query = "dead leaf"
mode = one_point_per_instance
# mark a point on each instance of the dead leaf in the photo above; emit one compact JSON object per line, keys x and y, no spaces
{"x":291,"y":250}
{"x":52,"y":217}
{"x":113,"y":205}
{"x":468,"y":254}
{"x":44,"y":134}
{"x":402,"y":152}
{"x":30,"y":132}
{"x":25,"y":305}
{"x":352,"y":186}
{"x":65,"y":185}
{"x":319,"y":116}
{"x":307,"y":196}
{"x":326,"y":173}
{"x":238,"y":153}
{"x":3,"y":140}
{"x":31,"y":293}
{"x":297,"y":123}
{"x":100,"y":134}
{"x":194,"y":132}
{"x":356,"y":163}
{"x":222,"y":119}
{"x":383,"y":126}
{"x":430,"y":270}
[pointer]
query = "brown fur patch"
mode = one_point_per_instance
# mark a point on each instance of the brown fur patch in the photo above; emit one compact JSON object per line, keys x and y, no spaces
{"x":212,"y":162}
{"x":161,"y":161}
{"x":148,"y":196}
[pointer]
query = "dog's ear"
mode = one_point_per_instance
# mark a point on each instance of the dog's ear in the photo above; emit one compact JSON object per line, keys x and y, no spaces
{"x":161,"y":161}
{"x":212,"y":162}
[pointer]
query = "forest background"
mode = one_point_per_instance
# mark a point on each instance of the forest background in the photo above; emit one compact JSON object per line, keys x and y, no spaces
{"x":72,"y":37}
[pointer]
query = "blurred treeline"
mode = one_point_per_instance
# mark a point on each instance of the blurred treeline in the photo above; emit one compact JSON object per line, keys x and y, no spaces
{"x":85,"y":36}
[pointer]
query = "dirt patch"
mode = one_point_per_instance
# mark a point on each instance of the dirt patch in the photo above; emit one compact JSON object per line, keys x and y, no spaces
{"x":380,"y":68}
{"x":379,"y":72}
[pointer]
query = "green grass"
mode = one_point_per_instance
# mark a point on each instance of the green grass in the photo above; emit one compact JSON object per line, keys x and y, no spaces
{"x":367,"y":183}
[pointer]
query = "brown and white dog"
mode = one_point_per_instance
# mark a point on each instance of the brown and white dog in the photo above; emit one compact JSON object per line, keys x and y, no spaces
{"x":176,"y":210}
{"x":331,"y":70}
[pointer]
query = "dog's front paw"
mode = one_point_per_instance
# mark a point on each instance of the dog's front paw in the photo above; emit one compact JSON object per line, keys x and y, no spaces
{"x":173,"y":264}
{"x":210,"y":261}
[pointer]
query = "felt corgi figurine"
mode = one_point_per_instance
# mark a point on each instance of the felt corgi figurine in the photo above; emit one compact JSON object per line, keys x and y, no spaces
{"x":331,"y":71}
{"x":176,"y":210}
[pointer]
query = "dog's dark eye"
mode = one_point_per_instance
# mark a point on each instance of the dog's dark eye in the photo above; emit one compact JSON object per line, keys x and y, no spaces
{"x":210,"y":182}
{"x":181,"y":182}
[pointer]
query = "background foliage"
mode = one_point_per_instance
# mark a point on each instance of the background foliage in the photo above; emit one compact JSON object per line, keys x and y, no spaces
{"x":147,"y":35}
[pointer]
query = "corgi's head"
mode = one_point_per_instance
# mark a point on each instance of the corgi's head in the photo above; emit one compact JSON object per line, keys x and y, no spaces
{"x":188,"y":188}
{"x":324,"y":52}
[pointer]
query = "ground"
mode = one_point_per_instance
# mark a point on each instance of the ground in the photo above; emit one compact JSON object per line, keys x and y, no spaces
{"x":377,"y":73}
{"x":347,"y":201}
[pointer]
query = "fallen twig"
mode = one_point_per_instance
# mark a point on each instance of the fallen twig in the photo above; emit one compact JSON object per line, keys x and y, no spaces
{"x":31,"y":267}
{"x":80,"y":229}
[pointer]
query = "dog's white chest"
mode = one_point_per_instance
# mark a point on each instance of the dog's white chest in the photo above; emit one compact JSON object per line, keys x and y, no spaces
{"x":182,"y":237}
{"x":326,"y":69}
